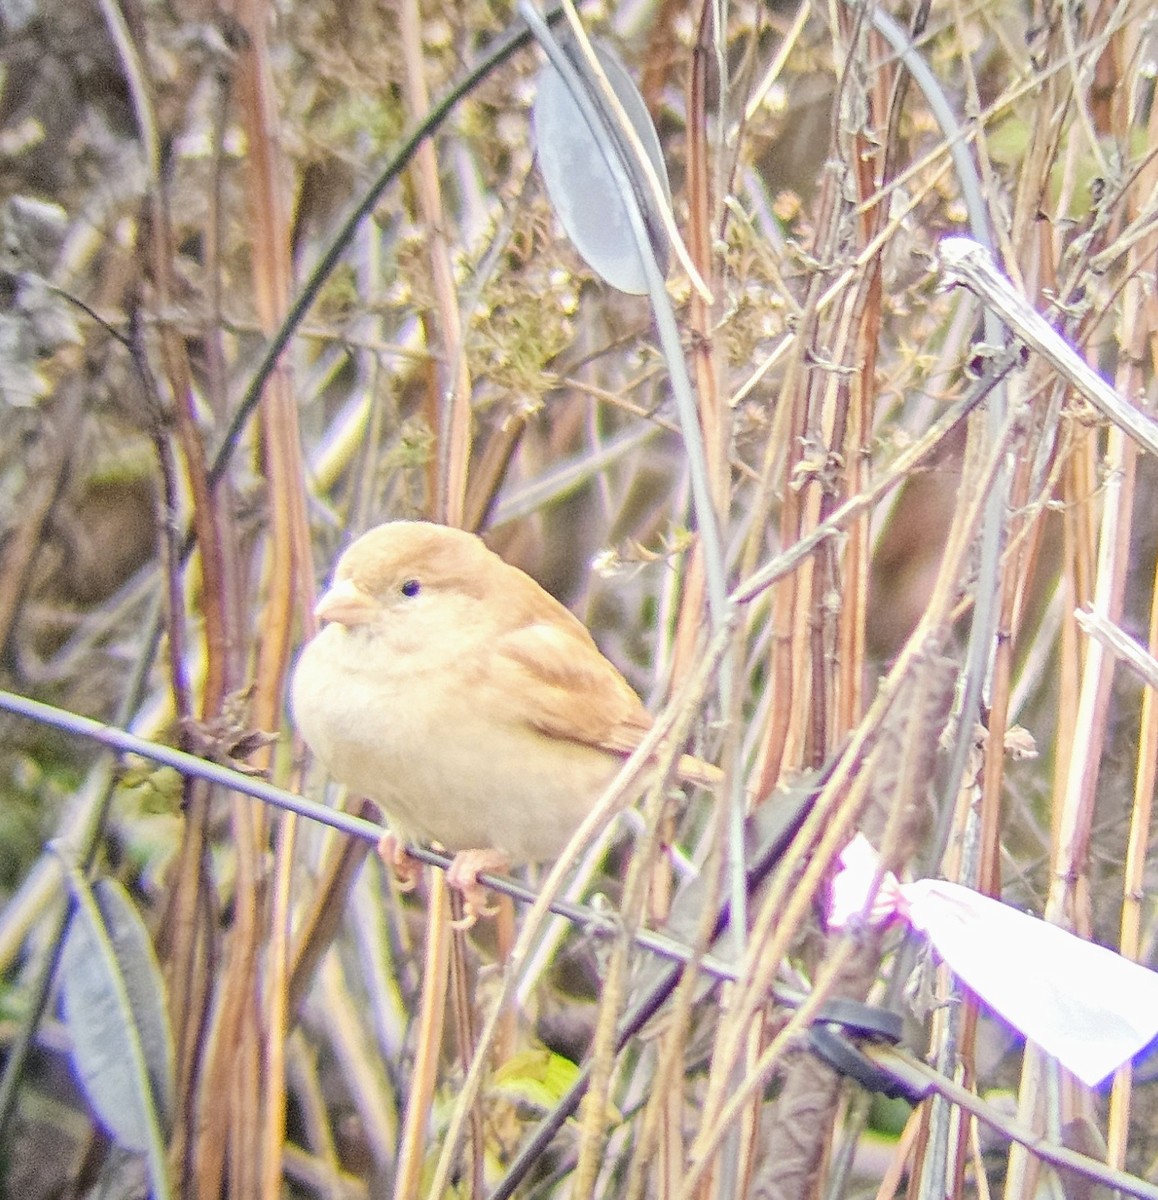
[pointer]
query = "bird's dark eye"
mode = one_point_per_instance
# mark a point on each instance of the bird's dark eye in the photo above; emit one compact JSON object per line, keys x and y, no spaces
{"x":411,"y":587}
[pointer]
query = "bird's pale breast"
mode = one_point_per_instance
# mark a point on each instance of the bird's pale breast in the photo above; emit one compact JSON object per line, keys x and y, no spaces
{"x":435,"y":752}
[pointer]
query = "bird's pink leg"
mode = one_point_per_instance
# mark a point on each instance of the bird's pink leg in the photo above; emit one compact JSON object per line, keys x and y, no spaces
{"x":405,"y":866}
{"x":463,"y":877}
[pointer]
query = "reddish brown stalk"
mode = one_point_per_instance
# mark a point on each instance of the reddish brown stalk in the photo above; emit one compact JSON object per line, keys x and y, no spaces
{"x":255,"y":1142}
{"x":188,"y":905}
{"x":714,"y":414}
{"x":450,"y":406}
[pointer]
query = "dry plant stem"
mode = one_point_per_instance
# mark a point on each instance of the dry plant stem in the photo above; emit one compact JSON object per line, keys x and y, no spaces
{"x":981,"y":1182}
{"x":452,"y":420}
{"x":236,"y":649}
{"x":1076,"y":815}
{"x":187,"y":902}
{"x":1133,"y":885}
{"x":244,"y":1168}
{"x":371,"y":1096}
{"x":279,"y":1016}
{"x":967,"y":263}
{"x":223,"y":1074}
{"x":671,"y":1156}
{"x":834,"y":811}
{"x":1077,"y":583}
{"x":758,"y":581}
{"x":191,"y":964}
{"x":736,"y":1178}
{"x":489,"y":470}
{"x":669,"y":1069}
{"x":260,"y":1093}
{"x":1140,"y":335}
{"x":853,"y":441}
{"x":317,"y":928}
{"x":207,"y":520}
{"x":705,"y":366}
{"x":814,"y":635}
{"x":768,"y":478}
{"x":602,"y":1055}
{"x":672,"y":723}
{"x":189,"y":945}
{"x":507,"y":1034}
{"x":1014,"y":581}
{"x":703,"y":1150}
{"x":463,"y":1023}
{"x":302,"y":1076}
{"x":798,"y":736}
{"x":773,"y":71}
{"x":1090,"y":143}
{"x":835,"y":290}
{"x":851,"y":651}
{"x":788,"y":433}
{"x":1120,"y":644}
{"x":1047,"y":122}
{"x":716,"y":421}
{"x":809,"y":1105}
{"x":1113,"y":552}
{"x":951,"y":1042}
{"x":714,"y":413}
{"x":411,"y":1152}
{"x":902,"y":1159}
{"x":216,"y":321}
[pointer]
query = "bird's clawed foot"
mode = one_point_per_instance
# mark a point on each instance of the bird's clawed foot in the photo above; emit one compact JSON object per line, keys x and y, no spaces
{"x":463,"y":877}
{"x":402,"y":863}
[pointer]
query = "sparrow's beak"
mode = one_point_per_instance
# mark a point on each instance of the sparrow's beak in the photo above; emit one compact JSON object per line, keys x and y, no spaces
{"x":346,"y":604}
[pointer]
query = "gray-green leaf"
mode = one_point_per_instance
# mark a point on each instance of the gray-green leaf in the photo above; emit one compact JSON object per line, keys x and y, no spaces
{"x":579,"y":180}
{"x":114,"y":1008}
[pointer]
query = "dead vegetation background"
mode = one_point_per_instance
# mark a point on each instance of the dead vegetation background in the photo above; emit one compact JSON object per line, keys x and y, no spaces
{"x":171,"y":177}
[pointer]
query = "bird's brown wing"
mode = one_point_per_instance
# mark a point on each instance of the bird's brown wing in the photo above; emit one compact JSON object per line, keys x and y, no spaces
{"x":569,"y":690}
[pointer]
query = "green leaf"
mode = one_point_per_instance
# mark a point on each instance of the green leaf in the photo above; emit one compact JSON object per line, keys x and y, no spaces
{"x":535,"y":1077}
{"x":540,"y":1079}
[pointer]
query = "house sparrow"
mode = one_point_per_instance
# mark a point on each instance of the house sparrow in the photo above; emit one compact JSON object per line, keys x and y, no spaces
{"x":451,"y":689}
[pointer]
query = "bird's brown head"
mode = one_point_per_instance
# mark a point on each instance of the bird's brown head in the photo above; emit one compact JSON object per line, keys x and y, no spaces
{"x":399,"y":561}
